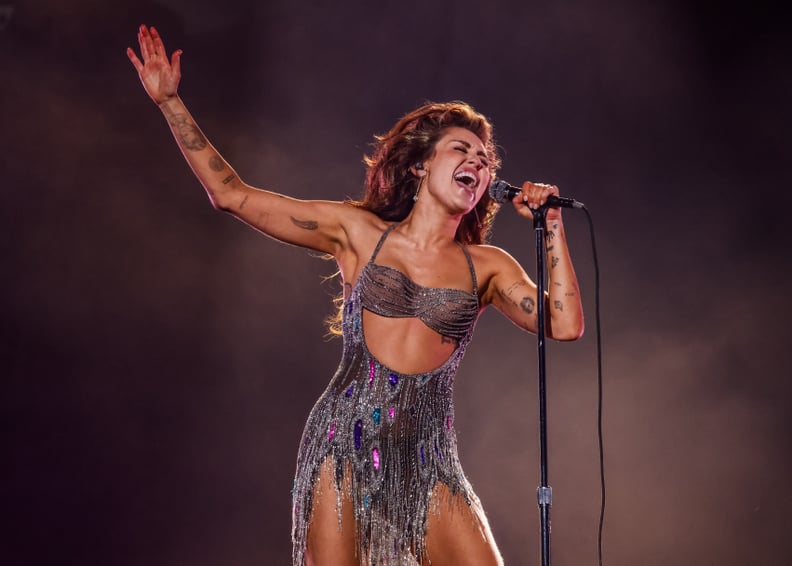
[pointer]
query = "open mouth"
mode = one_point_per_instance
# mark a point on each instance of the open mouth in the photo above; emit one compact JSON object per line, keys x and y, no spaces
{"x":468,"y":179}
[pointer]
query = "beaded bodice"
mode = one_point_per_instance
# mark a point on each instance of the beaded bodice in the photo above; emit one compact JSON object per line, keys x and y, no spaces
{"x":390,"y":434}
{"x":389,"y":292}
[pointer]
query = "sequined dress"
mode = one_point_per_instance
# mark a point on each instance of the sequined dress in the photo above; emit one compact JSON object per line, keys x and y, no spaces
{"x":393,"y":432}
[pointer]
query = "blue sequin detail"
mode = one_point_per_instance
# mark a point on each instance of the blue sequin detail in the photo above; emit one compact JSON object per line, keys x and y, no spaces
{"x":375,"y":415}
{"x":358,"y":433}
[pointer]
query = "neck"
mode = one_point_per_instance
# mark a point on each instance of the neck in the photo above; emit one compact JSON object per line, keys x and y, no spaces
{"x":427,"y":228}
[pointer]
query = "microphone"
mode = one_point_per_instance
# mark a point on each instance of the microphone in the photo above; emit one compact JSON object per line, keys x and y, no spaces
{"x":501,"y":192}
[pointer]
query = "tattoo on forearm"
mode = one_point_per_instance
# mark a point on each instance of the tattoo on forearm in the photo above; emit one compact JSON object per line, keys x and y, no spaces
{"x":550,"y":248}
{"x":244,"y":202}
{"x":550,"y":235}
{"x":229,"y":179}
{"x":305,"y":224}
{"x":558,"y":305}
{"x":557,"y":284}
{"x":216,"y":163}
{"x":190,"y":135}
{"x":570,"y":294}
{"x":554,"y":261}
{"x":527,"y":304}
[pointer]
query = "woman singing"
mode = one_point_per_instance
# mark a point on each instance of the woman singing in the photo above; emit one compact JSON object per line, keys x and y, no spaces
{"x":378,"y":478}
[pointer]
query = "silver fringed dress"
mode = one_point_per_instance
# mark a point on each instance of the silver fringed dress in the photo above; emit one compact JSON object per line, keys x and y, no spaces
{"x":392,"y":432}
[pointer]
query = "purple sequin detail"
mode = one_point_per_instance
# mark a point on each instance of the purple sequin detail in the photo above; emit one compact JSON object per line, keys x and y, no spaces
{"x":372,"y":370}
{"x":375,"y":458}
{"x":423,"y":457}
{"x":349,"y":391}
{"x":331,"y":432}
{"x":393,"y":379}
{"x":358,"y":433}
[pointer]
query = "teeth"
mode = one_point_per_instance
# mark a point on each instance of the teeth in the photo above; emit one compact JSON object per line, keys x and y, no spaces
{"x":466,"y":177}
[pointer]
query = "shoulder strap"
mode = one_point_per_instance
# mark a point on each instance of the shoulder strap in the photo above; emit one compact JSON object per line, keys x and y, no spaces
{"x":382,"y":241}
{"x":472,"y":268}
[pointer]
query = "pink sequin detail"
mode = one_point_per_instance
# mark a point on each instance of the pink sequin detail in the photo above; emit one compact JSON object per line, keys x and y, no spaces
{"x":375,"y":458}
{"x":331,"y":432}
{"x":392,"y":412}
{"x":371,"y":372}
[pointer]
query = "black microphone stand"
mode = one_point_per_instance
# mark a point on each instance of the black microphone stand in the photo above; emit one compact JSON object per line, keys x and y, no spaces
{"x":544,"y":492}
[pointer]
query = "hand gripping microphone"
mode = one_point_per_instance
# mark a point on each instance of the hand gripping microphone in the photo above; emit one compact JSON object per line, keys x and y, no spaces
{"x":501,"y":192}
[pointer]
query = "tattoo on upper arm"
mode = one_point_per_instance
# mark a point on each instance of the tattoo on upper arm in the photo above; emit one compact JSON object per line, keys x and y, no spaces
{"x":216,"y":163}
{"x":229,"y":179}
{"x":554,"y":261}
{"x":558,"y":305}
{"x":528,"y":304}
{"x":190,"y":135}
{"x":305,"y":224}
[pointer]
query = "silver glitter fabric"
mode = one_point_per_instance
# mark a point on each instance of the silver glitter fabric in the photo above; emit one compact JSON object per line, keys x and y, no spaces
{"x":389,"y":436}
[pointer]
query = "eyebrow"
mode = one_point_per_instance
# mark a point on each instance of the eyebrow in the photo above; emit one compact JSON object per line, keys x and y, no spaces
{"x":467,"y":145}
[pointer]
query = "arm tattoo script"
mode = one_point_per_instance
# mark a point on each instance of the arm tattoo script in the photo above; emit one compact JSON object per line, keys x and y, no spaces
{"x":305,"y":224}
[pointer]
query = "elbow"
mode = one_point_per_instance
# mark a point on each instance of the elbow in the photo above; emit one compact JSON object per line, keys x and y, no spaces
{"x":569,"y":333}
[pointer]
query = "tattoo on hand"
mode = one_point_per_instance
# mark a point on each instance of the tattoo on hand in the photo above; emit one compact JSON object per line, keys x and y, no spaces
{"x":228,"y":179}
{"x":528,"y":304}
{"x":190,"y":135}
{"x":554,"y":261}
{"x":558,"y":305}
{"x":305,"y":224}
{"x":216,"y":164}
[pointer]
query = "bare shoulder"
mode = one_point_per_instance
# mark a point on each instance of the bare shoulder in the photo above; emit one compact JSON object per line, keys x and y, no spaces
{"x":363,"y":230}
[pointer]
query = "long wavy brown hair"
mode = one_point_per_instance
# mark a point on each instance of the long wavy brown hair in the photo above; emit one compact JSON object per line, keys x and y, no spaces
{"x":390,"y":183}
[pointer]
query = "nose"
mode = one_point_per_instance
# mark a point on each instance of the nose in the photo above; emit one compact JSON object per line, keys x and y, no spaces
{"x":476,"y":162}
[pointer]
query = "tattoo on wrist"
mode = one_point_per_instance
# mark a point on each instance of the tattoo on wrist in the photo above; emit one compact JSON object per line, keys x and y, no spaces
{"x":189,"y":134}
{"x":244,"y":202}
{"x":305,"y":224}
{"x":216,"y":164}
{"x":558,"y":305}
{"x":228,"y":179}
{"x":527,"y":304}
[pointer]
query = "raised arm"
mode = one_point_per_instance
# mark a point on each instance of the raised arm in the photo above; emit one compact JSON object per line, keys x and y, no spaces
{"x":286,"y":219}
{"x":513,"y":293}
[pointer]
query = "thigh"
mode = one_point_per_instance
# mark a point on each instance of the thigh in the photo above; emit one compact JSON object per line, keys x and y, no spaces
{"x":458,"y":534}
{"x":331,"y":544}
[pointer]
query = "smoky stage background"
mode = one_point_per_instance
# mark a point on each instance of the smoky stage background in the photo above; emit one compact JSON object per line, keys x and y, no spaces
{"x":159,"y":358}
